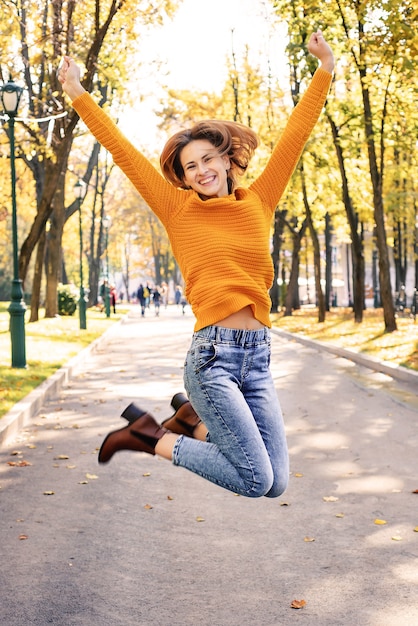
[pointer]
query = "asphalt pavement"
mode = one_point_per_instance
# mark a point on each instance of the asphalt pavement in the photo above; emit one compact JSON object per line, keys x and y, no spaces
{"x":139,"y":542}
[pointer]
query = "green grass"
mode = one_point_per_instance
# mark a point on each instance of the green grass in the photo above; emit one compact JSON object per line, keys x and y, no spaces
{"x":50,"y":343}
{"x":369,"y":338}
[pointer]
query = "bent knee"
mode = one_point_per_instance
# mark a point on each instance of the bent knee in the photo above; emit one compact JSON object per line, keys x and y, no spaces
{"x":260,"y":486}
{"x":278,"y":488}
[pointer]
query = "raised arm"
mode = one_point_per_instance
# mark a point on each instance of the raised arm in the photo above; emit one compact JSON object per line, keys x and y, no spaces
{"x":155,"y":190}
{"x":272,"y":182}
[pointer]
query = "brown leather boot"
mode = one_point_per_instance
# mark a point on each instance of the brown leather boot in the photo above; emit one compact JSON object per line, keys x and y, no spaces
{"x":185,"y":419}
{"x":140,"y":435}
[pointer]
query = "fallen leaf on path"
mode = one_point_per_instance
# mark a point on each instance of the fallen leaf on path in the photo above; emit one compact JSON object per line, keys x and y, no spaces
{"x":15,"y":452}
{"x":298,"y":475}
{"x":415,"y":491}
{"x":91,"y":476}
{"x":148,"y":507}
{"x":298,"y":604}
{"x":396,"y":538}
{"x":147,"y":474}
{"x":309,"y":539}
{"x":83,"y":482}
{"x":330,"y":499}
{"x":22,"y":537}
{"x":170,"y":498}
{"x":284,"y":504}
{"x":21,"y":463}
{"x":61,"y":457}
{"x":416,"y":529}
{"x":49,"y":493}
{"x":340,"y":515}
{"x":380,"y":522}
{"x":200,"y":519}
{"x":70,"y":466}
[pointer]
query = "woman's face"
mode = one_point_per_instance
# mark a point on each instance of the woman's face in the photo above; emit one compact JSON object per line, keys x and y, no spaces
{"x":205,"y":170}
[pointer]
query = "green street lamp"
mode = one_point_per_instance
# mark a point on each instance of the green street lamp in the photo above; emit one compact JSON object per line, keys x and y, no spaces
{"x":79,"y":192}
{"x":10,"y":98}
{"x":106,"y":223}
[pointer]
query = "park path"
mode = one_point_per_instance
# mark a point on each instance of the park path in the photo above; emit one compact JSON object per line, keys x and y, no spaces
{"x":140,"y":542}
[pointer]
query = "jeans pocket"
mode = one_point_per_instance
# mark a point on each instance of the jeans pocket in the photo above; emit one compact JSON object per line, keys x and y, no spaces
{"x":203,"y":354}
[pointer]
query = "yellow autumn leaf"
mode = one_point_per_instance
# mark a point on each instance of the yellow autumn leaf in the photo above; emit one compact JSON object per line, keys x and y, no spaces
{"x":148,"y":507}
{"x":396,"y":538}
{"x":61,"y":457}
{"x":49,"y":493}
{"x":200,"y":519}
{"x":147,"y":474}
{"x":91,"y":476}
{"x":330,"y":499}
{"x":380,"y":522}
{"x":298,"y":604}
{"x":170,"y":498}
{"x":309,"y":539}
{"x":298,"y":475}
{"x":340,"y":515}
{"x":416,"y":529}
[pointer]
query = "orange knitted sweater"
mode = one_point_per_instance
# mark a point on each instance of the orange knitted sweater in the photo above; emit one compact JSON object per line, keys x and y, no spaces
{"x":222,"y":245}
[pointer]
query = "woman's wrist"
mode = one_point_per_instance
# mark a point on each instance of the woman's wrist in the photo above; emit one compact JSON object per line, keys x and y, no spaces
{"x":74,"y":90}
{"x":328,"y":64}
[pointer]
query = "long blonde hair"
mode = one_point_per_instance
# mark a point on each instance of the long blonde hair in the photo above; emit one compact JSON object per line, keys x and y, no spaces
{"x":235,"y":140}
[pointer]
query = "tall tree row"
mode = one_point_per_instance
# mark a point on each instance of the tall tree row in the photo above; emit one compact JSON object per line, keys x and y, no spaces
{"x":37,"y":34}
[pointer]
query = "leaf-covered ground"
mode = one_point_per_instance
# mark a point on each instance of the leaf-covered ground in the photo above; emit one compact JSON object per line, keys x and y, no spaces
{"x":369,"y":337}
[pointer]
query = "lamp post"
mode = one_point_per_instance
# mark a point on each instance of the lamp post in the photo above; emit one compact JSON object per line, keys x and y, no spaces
{"x":80,"y":192}
{"x":106,"y":224}
{"x":10,"y":98}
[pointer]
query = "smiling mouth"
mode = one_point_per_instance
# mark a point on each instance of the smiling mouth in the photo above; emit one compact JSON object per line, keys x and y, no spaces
{"x":207,"y":181}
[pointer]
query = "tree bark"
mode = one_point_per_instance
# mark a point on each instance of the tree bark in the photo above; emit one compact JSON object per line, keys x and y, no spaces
{"x":356,"y":240}
{"x":316,"y":248}
{"x":293,"y":287}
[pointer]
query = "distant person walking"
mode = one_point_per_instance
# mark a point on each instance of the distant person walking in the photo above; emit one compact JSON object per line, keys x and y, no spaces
{"x":141,"y":298}
{"x":156,"y":298}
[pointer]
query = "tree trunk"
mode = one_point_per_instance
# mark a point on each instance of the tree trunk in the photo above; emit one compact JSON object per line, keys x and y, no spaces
{"x":293,"y":287}
{"x":356,"y":240}
{"x":379,"y":217}
{"x":317,"y":251}
{"x":279,"y":217}
{"x":54,"y":261}
{"x":35,"y":300}
{"x":329,"y":293}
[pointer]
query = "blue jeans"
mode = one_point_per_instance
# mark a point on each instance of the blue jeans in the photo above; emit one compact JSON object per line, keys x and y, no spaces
{"x":229,"y":384}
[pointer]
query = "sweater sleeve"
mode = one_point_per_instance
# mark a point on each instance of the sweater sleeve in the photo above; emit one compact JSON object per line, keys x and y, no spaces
{"x":160,"y":195}
{"x":271,"y":184}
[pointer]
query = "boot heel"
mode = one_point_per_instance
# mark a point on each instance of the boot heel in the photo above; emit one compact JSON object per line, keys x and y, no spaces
{"x":185,"y":419}
{"x":178,"y":400}
{"x":132,"y":413}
